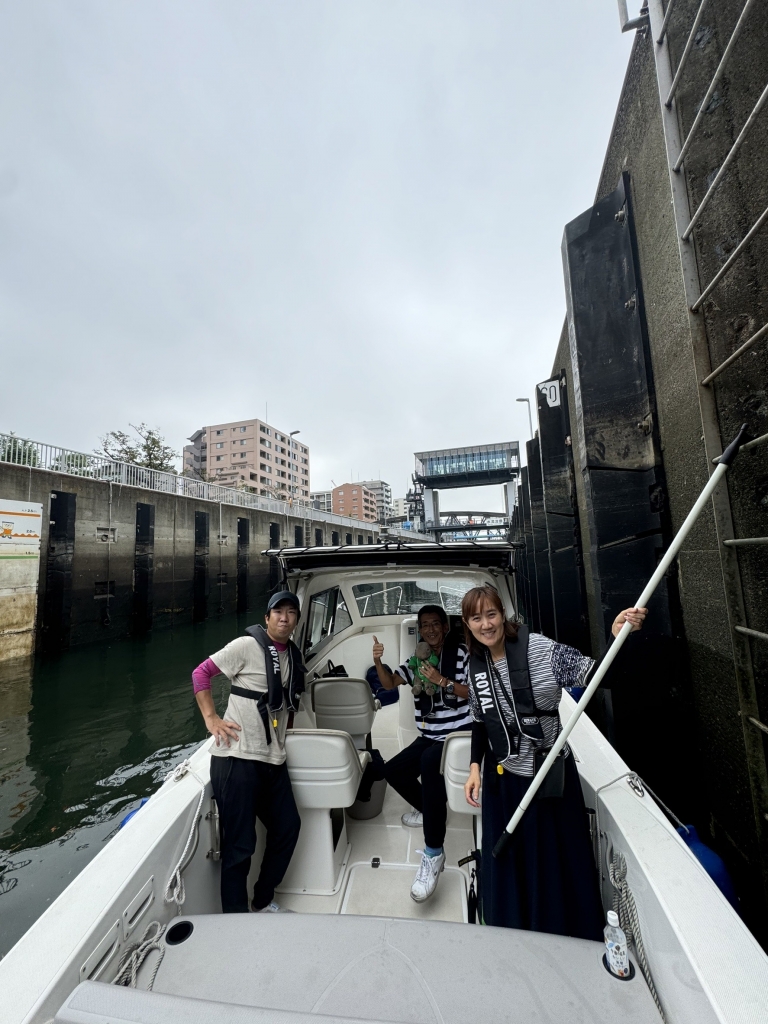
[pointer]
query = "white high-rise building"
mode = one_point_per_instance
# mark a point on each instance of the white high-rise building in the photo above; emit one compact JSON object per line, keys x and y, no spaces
{"x":383,"y":494}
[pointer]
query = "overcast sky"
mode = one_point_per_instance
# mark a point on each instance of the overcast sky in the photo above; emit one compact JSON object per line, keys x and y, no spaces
{"x":348,"y":209}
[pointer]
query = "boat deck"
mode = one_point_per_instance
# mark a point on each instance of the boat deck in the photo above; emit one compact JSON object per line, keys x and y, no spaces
{"x":385,"y":891}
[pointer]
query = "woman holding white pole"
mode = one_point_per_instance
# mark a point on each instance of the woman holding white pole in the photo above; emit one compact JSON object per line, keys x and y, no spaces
{"x":545,"y":878}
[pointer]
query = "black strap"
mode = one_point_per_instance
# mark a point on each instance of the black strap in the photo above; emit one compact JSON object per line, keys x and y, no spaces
{"x":261,"y":699}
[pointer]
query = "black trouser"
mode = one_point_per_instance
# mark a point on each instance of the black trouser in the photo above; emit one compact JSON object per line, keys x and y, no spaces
{"x":422,"y":758}
{"x":244,"y":791}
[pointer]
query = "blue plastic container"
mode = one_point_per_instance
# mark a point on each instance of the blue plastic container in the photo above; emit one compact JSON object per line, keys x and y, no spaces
{"x":712,"y":863}
{"x":130,"y":814}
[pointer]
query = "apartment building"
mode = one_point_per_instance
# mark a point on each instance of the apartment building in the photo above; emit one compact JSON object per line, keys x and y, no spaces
{"x":356,"y":501}
{"x":322,"y":500}
{"x":251,"y":454}
{"x":400,"y":507}
{"x":383,"y":494}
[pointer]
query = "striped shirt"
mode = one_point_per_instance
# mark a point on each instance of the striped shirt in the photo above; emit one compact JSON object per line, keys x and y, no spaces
{"x":442,"y":720}
{"x":551,"y":667}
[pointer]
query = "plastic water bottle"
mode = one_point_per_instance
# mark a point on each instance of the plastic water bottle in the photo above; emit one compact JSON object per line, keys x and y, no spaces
{"x":616,"y":947}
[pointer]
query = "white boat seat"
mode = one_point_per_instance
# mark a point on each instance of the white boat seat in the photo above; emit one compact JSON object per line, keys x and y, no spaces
{"x":325,"y":767}
{"x":454,"y":767}
{"x":345,"y":704}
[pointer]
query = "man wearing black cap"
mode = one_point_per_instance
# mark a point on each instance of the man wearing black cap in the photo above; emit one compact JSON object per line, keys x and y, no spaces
{"x":249,"y":775}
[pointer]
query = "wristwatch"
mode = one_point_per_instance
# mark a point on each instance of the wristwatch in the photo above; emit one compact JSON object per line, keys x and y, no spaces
{"x":449,"y":688}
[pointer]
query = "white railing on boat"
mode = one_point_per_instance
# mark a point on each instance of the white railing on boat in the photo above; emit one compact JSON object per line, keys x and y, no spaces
{"x":21,"y":451}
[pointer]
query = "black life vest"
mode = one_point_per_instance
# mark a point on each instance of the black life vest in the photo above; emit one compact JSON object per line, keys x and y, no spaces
{"x":504,"y":737}
{"x":446,"y":666}
{"x":277,"y":696}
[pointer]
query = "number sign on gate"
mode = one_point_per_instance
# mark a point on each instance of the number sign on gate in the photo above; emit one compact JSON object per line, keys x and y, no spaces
{"x":551,"y":391}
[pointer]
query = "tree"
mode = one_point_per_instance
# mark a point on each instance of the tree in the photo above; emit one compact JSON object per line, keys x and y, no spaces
{"x":15,"y":449}
{"x":148,"y":449}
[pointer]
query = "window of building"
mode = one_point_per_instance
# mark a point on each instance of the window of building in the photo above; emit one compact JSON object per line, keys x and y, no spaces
{"x":262,"y":480}
{"x":360,"y":538}
{"x":265,"y":430}
{"x":243,"y":430}
{"x":219,"y":458}
{"x":243,"y":455}
{"x":305,"y":461}
{"x":341,"y":494}
{"x":219,"y":433}
{"x":265,"y":469}
{"x":328,"y":614}
{"x":219,"y":444}
{"x":305,"y":493}
{"x":254,"y":476}
{"x":267,"y":444}
{"x":243,"y":441}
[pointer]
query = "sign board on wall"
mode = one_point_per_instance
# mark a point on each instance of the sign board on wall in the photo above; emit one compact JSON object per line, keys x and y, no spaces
{"x":20,"y":531}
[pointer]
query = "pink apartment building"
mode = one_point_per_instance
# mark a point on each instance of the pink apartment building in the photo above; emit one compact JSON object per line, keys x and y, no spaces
{"x":355,"y":501}
{"x":252,"y":454}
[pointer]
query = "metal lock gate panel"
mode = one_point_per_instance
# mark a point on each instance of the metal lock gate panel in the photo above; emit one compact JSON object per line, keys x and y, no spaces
{"x":561,"y":513}
{"x":616,"y":450}
{"x":143,"y":568}
{"x":529,"y":564}
{"x":540,"y":541}
{"x":57,"y":603}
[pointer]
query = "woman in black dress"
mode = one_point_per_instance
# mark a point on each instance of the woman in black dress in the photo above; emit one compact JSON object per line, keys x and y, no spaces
{"x":545,"y":880}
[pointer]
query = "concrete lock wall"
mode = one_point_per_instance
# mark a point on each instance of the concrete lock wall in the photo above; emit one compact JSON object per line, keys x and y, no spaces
{"x":116,"y":561}
{"x":720,"y":777}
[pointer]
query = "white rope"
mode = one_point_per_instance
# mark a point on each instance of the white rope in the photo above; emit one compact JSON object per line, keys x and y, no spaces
{"x":135,"y":955}
{"x":174,"y":890}
{"x":625,"y":907}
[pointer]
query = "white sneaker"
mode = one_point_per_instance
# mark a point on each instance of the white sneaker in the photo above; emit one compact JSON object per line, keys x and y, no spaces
{"x":272,"y":908}
{"x":425,"y":882}
{"x":413,"y":819}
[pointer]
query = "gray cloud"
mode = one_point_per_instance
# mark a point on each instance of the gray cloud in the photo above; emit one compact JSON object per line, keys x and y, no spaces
{"x":351,"y":210}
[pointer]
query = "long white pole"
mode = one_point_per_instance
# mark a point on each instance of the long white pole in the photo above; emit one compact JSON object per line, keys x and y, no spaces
{"x":722,"y":468}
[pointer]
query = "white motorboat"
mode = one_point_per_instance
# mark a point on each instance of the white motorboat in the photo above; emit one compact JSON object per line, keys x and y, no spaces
{"x":357,"y":947}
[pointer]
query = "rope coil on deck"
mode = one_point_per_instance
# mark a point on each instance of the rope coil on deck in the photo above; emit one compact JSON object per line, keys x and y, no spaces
{"x":134,"y":955}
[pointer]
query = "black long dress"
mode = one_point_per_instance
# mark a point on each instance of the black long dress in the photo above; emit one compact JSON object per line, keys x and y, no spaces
{"x":545,"y":880}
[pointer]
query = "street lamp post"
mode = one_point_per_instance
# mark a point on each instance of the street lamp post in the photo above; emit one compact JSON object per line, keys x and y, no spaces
{"x":530,"y":421}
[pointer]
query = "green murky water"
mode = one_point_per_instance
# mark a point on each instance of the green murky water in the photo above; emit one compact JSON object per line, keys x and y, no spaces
{"x":83,"y":738}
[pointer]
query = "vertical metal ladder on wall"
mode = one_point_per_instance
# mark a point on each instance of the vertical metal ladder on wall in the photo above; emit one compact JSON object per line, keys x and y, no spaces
{"x":656,"y":19}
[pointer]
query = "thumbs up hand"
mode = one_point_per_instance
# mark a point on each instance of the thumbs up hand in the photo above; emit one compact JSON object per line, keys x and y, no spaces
{"x":378,"y":650}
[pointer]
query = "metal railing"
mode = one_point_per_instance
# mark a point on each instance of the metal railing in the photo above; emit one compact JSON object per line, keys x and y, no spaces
{"x":19,"y":451}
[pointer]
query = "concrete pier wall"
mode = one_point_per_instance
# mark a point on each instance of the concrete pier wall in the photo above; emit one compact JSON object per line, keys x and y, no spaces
{"x":116,"y":560}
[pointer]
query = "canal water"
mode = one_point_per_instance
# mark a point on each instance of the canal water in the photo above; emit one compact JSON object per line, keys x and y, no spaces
{"x":83,"y":738}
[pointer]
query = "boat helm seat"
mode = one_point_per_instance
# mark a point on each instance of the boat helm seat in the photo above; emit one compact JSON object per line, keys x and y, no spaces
{"x":454,"y":767}
{"x":344,"y":704}
{"x":325,"y":769}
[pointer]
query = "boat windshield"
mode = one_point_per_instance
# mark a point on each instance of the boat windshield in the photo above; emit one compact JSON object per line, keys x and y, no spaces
{"x":405,"y":597}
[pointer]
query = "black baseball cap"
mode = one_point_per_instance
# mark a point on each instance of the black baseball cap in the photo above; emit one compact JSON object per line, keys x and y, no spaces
{"x":283,"y":595}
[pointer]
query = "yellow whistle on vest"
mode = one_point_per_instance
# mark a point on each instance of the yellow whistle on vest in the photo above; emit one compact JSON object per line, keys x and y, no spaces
{"x":274,"y":723}
{"x":499,"y":769}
